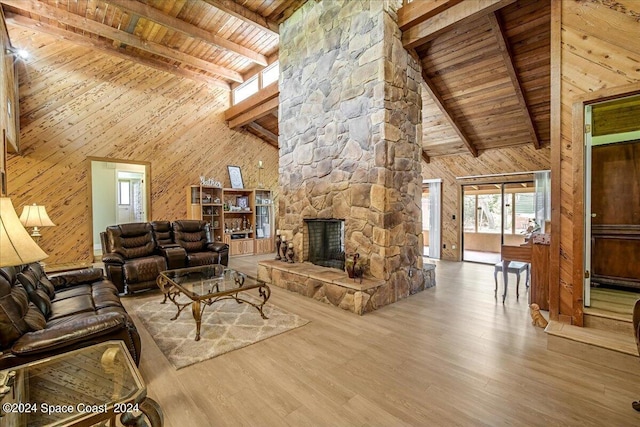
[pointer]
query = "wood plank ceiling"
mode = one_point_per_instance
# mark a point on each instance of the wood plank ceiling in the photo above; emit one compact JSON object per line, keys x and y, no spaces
{"x":487,"y":68}
{"x":221,"y":42}
{"x":486,"y":64}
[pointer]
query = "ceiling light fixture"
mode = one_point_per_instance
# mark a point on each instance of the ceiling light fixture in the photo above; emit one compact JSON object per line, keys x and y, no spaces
{"x":20,"y":53}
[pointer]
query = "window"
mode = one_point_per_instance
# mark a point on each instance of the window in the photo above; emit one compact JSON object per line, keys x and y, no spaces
{"x":426,"y":210}
{"x":525,"y":211}
{"x":245,"y":90}
{"x":270,"y":74}
{"x":489,"y":213}
{"x":123,"y":193}
{"x":469,"y":213}
{"x":508,"y":214}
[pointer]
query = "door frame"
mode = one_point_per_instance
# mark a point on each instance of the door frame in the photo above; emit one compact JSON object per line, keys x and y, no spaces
{"x":147,"y":188}
{"x":579,"y":208}
{"x":496,"y":179}
{"x":587,"y":204}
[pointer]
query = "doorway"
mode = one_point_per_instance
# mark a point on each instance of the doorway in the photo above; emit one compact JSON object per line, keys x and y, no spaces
{"x":612,"y":205}
{"x":130,"y":196}
{"x":495,"y":214}
{"x":119,"y":194}
{"x":431,"y":217}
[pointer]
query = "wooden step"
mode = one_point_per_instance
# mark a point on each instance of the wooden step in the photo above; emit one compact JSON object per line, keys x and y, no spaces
{"x":609,"y":348}
{"x":595,"y":318}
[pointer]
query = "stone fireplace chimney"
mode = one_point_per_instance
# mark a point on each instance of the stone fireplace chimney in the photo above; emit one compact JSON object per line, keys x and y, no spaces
{"x":350,"y":129}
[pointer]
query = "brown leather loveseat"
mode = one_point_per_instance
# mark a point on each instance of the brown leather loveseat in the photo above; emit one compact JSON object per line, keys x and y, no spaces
{"x":135,"y":254}
{"x":41,"y":316}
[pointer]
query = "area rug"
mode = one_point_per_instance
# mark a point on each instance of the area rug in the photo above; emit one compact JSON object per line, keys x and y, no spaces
{"x":226,"y":326}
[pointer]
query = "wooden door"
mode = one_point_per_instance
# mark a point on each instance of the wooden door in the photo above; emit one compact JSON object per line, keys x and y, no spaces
{"x":615,"y":208}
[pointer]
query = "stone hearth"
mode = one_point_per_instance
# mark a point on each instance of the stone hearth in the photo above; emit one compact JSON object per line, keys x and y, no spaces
{"x":333,"y":286}
{"x":349,"y":120}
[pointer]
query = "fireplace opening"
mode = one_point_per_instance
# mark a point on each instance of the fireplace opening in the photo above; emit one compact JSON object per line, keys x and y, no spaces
{"x":326,"y":242}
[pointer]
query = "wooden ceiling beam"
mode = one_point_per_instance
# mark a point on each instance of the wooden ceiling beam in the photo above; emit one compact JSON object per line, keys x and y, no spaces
{"x":285,"y":10}
{"x":248,"y":16}
{"x":437,"y":99}
{"x":498,"y":29}
{"x":271,"y":137}
{"x":108,"y":48}
{"x":255,"y":113}
{"x":255,"y":69}
{"x":255,"y":100}
{"x":413,"y":13}
{"x":425,"y":157}
{"x":88,"y":25}
{"x":189,"y":30}
{"x":458,"y":14}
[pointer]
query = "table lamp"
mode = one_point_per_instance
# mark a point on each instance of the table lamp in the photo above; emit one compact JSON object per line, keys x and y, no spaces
{"x":16,"y":246}
{"x":35,"y":216}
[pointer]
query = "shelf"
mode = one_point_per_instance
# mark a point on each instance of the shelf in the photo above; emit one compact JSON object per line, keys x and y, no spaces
{"x":202,"y":201}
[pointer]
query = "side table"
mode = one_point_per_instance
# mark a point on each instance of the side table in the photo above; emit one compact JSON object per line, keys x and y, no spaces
{"x":79,"y":388}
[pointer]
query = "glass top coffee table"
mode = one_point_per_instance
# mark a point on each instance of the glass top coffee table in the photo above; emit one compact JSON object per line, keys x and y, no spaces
{"x":204,"y":285}
{"x":79,"y":388}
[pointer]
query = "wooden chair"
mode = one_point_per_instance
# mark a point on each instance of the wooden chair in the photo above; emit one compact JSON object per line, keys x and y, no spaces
{"x":636,"y":329}
{"x":516,"y":268}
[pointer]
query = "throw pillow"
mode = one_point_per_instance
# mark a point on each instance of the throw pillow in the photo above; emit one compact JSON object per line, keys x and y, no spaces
{"x":43,"y":280}
{"x":37,"y":296}
{"x":14,"y":306}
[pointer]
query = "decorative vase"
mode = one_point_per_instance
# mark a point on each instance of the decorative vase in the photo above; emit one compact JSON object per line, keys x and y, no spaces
{"x":278,"y":243}
{"x":290,"y":253}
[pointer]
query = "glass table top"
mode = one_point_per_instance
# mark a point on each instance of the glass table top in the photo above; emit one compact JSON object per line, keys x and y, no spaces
{"x":206,"y":281}
{"x":69,"y":388}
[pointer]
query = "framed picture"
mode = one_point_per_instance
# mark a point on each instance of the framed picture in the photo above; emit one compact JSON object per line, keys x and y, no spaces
{"x":242,"y":202}
{"x":235,"y":176}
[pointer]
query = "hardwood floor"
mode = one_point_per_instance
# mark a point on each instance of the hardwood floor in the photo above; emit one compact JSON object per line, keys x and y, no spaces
{"x":613,"y":301}
{"x":450,"y":355}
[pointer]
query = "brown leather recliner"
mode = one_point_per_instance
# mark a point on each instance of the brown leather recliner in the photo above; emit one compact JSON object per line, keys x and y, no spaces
{"x":131,"y":257}
{"x":135,"y":254}
{"x":194,"y":237}
{"x":42,"y":316}
{"x":175,"y":255}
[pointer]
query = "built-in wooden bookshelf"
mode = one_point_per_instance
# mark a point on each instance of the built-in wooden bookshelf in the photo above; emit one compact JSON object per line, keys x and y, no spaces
{"x":242,"y":218}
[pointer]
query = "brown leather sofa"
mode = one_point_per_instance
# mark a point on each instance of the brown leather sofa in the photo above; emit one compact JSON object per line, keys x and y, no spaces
{"x":195,"y":238}
{"x":41,"y":316}
{"x":135,"y":254}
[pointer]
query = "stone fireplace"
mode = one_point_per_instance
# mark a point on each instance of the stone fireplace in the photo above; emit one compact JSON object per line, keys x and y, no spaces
{"x":349,"y":120}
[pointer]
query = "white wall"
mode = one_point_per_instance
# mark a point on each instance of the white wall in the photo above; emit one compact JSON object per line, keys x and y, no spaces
{"x":103,"y":194}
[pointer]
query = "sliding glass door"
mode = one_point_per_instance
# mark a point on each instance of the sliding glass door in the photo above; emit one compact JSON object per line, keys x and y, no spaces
{"x":493,"y":215}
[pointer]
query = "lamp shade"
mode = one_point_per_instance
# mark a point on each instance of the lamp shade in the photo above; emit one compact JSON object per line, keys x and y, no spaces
{"x":16,"y":246}
{"x":35,"y":216}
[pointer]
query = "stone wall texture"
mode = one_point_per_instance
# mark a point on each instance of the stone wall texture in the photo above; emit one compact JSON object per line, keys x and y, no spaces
{"x":350,"y":114}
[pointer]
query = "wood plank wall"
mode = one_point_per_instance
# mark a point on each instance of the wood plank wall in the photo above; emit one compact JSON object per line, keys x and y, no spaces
{"x":8,"y":104}
{"x":600,"y":50}
{"x":78,"y":103}
{"x":505,"y":160}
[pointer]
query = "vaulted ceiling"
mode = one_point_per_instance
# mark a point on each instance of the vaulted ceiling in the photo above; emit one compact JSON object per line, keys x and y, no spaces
{"x":486,"y":67}
{"x":218,"y":41}
{"x":486,"y":64}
